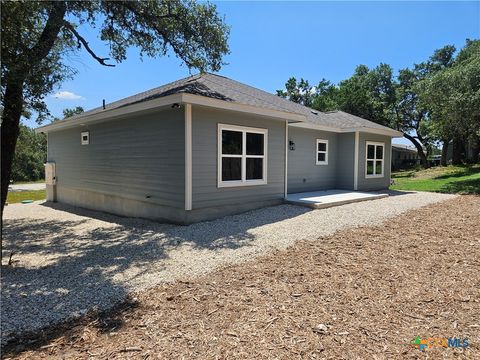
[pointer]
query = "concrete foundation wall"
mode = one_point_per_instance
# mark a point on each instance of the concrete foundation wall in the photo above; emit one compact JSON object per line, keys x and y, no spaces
{"x":139,"y":208}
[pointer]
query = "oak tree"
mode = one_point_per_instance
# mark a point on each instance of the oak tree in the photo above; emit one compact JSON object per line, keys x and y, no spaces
{"x":36,"y":37}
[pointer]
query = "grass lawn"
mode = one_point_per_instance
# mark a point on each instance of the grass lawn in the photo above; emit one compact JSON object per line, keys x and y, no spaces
{"x":18,"y":196}
{"x":450,"y":179}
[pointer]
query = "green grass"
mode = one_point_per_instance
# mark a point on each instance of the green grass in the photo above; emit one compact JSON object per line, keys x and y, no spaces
{"x":18,"y":196}
{"x":450,"y":179}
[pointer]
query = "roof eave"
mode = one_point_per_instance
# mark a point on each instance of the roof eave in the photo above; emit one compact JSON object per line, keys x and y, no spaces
{"x":385,"y":131}
{"x":380,"y":131}
{"x":110,"y":114}
{"x":183,"y":98}
{"x":233,"y":106}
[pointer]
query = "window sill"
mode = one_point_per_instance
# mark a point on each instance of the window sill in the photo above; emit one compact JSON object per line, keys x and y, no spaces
{"x":227,"y":184}
{"x":374,"y":176}
{"x":321,"y":163}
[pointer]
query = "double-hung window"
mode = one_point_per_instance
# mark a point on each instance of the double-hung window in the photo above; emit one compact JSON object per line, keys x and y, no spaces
{"x":242,"y":156}
{"x":375,"y":159}
{"x":322,"y":152}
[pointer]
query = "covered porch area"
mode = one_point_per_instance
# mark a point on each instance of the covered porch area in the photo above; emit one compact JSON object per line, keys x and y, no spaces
{"x":329,"y":198}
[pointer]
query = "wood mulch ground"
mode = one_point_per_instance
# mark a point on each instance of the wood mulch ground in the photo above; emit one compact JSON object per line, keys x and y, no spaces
{"x":364,"y":293}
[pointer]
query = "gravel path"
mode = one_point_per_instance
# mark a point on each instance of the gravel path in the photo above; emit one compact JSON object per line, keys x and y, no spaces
{"x":27,"y":187}
{"x":70,"y":260}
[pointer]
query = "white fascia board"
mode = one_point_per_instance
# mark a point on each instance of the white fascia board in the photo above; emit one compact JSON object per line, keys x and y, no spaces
{"x":306,"y":125}
{"x":110,"y":114}
{"x":233,"y":106}
{"x":386,"y":131}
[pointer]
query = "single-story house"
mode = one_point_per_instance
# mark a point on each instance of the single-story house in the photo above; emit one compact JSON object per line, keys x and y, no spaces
{"x":404,"y":156}
{"x":207,"y":146}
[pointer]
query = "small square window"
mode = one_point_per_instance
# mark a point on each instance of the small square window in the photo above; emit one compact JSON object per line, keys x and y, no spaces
{"x":85,"y":137}
{"x":322,"y":152}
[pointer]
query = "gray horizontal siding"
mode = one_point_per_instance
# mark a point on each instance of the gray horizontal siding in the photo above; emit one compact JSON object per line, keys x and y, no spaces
{"x":373,"y":183}
{"x":346,"y":161}
{"x":205,"y":192}
{"x":303,"y":172}
{"x":132,"y":158}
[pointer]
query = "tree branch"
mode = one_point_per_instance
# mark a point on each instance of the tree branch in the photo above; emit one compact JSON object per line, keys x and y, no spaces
{"x":84,"y":42}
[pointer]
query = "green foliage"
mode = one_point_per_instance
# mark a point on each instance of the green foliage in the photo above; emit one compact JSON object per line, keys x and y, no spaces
{"x":69,"y":112}
{"x":369,"y":94}
{"x":322,"y":97}
{"x":193,"y":31}
{"x":326,"y":96}
{"x":300,"y":92}
{"x":30,"y":155}
{"x":453,"y":95}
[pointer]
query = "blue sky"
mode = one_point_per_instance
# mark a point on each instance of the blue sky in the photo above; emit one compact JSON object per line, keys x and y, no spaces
{"x":271,"y":41}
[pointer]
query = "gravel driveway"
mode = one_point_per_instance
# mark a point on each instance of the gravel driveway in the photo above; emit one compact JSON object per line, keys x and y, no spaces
{"x":27,"y":187}
{"x":70,"y":260}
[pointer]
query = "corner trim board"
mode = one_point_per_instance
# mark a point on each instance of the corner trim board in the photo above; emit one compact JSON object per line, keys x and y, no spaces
{"x":355,"y":165}
{"x":188,"y":157}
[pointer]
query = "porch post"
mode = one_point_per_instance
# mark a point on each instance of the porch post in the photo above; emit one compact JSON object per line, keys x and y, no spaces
{"x":355,"y":166}
{"x":286,"y":161}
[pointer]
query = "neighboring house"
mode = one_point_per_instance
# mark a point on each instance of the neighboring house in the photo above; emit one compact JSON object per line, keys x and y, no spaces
{"x":404,"y":156}
{"x":207,"y":146}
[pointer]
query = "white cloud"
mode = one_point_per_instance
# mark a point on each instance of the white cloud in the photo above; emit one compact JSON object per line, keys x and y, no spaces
{"x":67,"y":95}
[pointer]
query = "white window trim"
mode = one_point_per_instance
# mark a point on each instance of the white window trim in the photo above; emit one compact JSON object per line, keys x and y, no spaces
{"x":321,"y":141}
{"x":243,"y":156}
{"x":85,"y":142}
{"x":367,"y":176}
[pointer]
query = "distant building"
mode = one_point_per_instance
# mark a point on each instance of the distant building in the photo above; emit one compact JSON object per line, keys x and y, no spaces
{"x":404,"y":156}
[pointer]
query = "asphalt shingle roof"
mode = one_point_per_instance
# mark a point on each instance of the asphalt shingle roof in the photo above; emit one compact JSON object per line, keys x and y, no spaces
{"x":222,"y":88}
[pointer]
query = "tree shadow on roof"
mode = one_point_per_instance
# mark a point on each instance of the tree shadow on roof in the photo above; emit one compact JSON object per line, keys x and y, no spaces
{"x":194,"y":87}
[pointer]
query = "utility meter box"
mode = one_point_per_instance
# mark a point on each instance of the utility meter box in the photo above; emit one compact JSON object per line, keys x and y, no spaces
{"x":50,"y":177}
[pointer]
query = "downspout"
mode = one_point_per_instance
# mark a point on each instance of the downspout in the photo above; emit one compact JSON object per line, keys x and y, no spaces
{"x":355,"y":166}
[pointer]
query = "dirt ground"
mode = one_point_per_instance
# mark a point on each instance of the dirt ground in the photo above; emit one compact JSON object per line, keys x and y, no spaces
{"x":359,"y":294}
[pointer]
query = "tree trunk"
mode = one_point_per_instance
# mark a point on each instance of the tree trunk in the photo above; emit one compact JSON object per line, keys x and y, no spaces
{"x":420,"y":151}
{"x":475,"y":149}
{"x":458,"y":151}
{"x":15,"y":79}
{"x":12,"y":111}
{"x":443,"y":161}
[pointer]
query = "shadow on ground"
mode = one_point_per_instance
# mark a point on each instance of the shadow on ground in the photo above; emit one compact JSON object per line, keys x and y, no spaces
{"x":471,"y":186}
{"x":68,"y":267}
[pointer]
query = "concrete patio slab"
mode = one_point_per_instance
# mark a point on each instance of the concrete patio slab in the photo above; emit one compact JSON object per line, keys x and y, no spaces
{"x":329,"y":198}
